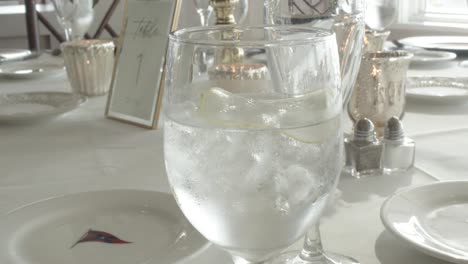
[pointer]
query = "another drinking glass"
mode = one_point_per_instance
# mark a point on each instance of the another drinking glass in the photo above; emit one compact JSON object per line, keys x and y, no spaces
{"x":347,"y":21}
{"x":204,"y":10}
{"x":252,"y":161}
{"x":380,"y":14}
{"x":75,"y":17}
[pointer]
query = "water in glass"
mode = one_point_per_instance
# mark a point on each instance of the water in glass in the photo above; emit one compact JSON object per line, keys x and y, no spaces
{"x":255,"y":187}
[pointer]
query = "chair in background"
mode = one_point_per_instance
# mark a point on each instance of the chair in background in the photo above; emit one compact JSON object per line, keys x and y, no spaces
{"x":33,"y":16}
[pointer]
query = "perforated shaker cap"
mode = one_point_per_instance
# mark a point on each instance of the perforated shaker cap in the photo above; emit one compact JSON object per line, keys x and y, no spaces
{"x":364,"y":131}
{"x":394,"y":129}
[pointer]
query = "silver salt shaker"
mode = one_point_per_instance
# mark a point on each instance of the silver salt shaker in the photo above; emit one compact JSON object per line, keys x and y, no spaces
{"x":363,"y":150}
{"x":398,"y":151}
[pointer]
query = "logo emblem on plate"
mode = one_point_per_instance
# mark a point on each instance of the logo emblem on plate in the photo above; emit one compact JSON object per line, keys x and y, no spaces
{"x":99,"y":236}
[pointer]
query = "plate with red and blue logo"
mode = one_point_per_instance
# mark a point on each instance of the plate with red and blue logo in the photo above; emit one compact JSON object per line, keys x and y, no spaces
{"x":112,"y":226}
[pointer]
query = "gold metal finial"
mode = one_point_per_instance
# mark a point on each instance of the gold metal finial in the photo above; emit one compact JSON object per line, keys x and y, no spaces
{"x":224,"y":10}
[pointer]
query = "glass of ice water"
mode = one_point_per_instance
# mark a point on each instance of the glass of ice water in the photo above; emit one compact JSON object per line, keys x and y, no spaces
{"x":252,"y":161}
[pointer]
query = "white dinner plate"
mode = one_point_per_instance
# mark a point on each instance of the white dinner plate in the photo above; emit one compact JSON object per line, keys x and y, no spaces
{"x":36,"y":106}
{"x":446,"y":43}
{"x":463,"y":64}
{"x":114,"y":226}
{"x":424,"y":57}
{"x":433,"y":218}
{"x":13,"y":54}
{"x":440,"y":90}
{"x":31,"y":69}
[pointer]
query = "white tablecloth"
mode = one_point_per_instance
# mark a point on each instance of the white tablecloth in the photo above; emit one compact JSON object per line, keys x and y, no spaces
{"x":83,"y":151}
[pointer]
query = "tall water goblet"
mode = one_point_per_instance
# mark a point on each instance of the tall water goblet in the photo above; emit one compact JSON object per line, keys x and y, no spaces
{"x":75,"y":17}
{"x":346,"y":19}
{"x":252,"y":161}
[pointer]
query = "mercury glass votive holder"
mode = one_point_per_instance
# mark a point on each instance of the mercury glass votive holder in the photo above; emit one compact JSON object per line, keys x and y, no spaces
{"x":89,"y":64}
{"x":380,"y":88}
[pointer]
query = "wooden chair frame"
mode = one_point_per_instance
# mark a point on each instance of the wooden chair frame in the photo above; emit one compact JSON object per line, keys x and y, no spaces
{"x":32,"y":18}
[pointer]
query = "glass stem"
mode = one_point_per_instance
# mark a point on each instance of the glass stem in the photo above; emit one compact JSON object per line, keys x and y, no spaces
{"x":68,"y":31}
{"x":204,"y":15}
{"x":312,"y":251}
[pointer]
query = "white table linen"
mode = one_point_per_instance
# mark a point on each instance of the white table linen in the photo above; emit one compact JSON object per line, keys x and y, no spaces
{"x":83,"y":151}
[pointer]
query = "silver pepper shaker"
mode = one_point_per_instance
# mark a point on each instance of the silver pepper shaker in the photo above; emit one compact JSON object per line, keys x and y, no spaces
{"x":363,"y":150}
{"x":398,"y":151}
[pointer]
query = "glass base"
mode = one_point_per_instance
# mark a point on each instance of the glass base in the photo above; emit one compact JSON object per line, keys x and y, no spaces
{"x":335,"y":258}
{"x":292,"y":257}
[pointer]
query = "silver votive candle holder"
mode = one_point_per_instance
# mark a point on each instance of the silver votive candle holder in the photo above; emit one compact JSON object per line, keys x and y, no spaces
{"x":380,"y":88}
{"x":90,"y":65}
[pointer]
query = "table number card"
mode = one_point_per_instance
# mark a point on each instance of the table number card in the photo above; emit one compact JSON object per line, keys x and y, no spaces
{"x":138,"y":78}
